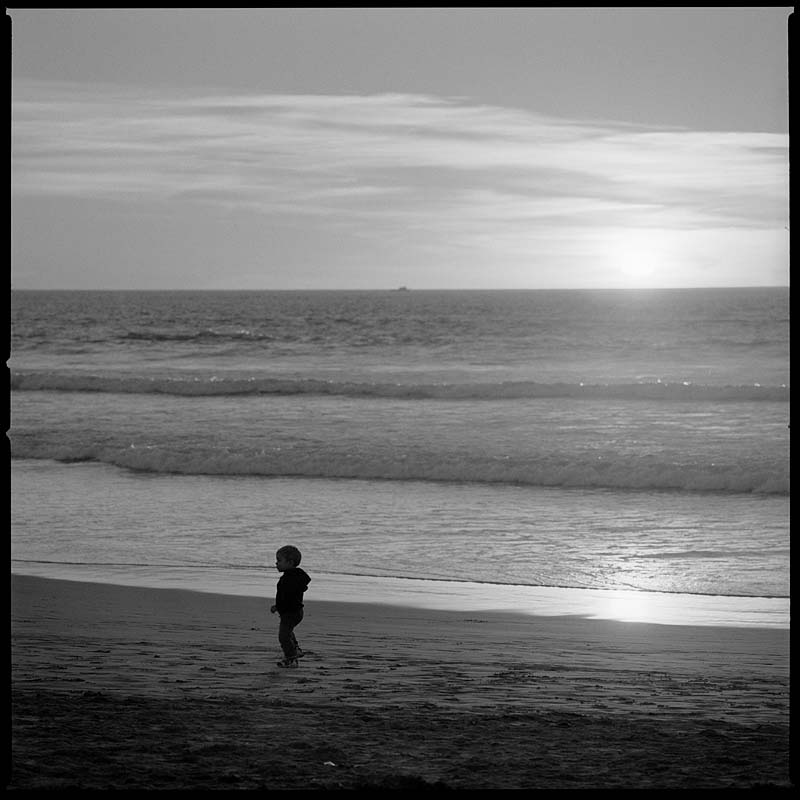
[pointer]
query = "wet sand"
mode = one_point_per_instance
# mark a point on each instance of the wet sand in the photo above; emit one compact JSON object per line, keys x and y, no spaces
{"x":127,"y":688}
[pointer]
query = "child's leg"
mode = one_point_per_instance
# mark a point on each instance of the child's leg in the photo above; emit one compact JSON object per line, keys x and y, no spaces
{"x":286,"y":633}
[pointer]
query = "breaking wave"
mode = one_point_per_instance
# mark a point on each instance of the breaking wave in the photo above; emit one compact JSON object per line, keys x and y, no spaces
{"x":643,"y":474}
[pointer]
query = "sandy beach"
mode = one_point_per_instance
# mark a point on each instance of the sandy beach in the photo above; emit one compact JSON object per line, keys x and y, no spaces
{"x":134,"y":688}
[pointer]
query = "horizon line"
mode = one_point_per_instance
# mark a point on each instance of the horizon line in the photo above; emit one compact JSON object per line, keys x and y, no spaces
{"x":405,"y":289}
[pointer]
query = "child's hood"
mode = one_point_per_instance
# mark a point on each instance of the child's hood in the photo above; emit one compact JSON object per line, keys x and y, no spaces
{"x":297,"y":576}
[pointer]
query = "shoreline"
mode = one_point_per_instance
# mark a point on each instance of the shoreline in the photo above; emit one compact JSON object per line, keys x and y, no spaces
{"x":647,"y":607}
{"x":129,"y":687}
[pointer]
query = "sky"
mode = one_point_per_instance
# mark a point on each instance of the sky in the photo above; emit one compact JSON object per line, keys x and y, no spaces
{"x":449,"y":148}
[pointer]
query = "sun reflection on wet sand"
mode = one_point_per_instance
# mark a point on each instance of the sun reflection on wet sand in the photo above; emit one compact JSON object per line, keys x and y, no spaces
{"x":616,"y":604}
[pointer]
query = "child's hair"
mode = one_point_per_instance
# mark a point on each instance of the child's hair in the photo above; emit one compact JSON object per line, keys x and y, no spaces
{"x":290,"y":553}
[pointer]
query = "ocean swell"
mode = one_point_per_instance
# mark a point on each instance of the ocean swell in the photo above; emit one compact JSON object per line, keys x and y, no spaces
{"x":507,"y":390}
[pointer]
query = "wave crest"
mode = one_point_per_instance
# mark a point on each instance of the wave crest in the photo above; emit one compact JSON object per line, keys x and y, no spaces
{"x":545,"y":471}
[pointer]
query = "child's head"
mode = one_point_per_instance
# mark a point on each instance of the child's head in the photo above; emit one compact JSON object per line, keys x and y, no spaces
{"x":287,"y":557}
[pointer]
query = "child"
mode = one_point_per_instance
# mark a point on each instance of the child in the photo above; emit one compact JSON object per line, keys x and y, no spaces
{"x":289,"y":602}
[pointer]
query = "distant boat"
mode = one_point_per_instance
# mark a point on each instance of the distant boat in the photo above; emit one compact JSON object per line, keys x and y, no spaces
{"x":402,"y":289}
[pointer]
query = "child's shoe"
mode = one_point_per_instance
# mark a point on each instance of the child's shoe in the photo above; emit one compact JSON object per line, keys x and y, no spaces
{"x":288,"y":663}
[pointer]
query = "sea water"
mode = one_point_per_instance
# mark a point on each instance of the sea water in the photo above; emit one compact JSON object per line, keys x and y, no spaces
{"x":459,"y":449}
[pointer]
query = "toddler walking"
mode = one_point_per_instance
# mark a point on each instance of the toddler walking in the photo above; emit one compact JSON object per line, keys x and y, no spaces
{"x":289,"y":602}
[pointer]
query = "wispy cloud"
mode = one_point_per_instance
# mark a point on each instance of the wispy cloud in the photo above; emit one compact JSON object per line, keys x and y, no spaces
{"x":398,"y":162}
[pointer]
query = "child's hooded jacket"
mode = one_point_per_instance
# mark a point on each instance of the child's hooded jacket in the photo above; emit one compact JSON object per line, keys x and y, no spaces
{"x":291,"y":586}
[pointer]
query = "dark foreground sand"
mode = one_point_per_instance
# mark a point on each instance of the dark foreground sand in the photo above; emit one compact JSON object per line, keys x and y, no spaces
{"x":123,"y":688}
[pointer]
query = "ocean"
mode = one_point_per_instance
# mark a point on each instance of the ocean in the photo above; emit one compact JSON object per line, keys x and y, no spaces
{"x":549,"y":451}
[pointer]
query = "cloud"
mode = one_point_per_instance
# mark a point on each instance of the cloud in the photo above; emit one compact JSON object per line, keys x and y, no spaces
{"x":391,"y":165}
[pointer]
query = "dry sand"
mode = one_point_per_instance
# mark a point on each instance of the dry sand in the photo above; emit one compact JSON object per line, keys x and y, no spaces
{"x":119,"y":687}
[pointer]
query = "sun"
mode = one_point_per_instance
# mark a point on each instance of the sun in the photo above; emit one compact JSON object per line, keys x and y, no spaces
{"x":638,"y":257}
